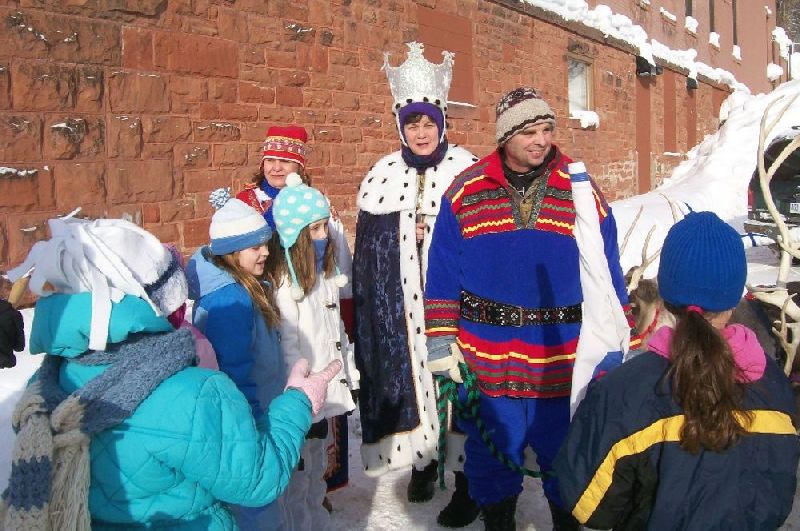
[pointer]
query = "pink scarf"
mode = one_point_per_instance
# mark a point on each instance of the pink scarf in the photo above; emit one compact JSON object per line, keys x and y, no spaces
{"x":747,"y":352}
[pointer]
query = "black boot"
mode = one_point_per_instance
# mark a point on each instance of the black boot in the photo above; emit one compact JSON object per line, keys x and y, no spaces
{"x":462,"y":510}
{"x":500,"y":516}
{"x":421,"y":486}
{"x":562,"y":519}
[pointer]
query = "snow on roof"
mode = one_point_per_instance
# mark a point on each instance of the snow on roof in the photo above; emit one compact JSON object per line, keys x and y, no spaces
{"x":621,"y":27}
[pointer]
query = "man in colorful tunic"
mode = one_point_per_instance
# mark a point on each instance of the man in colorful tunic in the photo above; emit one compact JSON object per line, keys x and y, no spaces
{"x":503,"y":291}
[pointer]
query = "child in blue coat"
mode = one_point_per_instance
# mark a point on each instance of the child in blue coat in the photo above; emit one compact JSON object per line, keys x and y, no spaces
{"x":135,"y":435}
{"x":235,"y":312}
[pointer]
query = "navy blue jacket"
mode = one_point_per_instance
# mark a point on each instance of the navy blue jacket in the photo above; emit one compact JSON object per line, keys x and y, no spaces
{"x":621,"y":465}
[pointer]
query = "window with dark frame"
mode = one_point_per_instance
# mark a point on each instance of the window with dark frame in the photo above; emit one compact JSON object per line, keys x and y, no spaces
{"x":689,"y":12}
{"x":735,"y":25}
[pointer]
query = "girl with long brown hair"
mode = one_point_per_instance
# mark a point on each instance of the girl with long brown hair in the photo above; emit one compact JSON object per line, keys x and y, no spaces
{"x":234,"y":309}
{"x":307,"y":281}
{"x":699,"y":432}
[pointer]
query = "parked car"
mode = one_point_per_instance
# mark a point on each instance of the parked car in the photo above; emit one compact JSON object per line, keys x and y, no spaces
{"x":784,"y":187}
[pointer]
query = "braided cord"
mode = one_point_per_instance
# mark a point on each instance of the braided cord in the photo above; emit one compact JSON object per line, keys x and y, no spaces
{"x":468,"y":410}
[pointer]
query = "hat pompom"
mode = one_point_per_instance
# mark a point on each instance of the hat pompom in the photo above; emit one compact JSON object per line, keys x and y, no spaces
{"x":293,"y":179}
{"x":219,"y":197}
{"x":297,"y":292}
{"x":340,"y":280}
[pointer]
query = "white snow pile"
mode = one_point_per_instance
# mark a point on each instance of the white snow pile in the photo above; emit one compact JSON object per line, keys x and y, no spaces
{"x":774,"y":72}
{"x":588,"y":119}
{"x":621,"y":27}
{"x":715,"y":175}
{"x":691,"y":24}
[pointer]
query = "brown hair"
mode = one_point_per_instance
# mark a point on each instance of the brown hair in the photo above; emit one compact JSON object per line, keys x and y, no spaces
{"x":704,"y":383}
{"x":259,"y":175}
{"x":261,"y":294}
{"x":303,"y":260}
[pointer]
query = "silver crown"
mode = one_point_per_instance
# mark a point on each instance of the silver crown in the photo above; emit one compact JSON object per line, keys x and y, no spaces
{"x":417,"y":79}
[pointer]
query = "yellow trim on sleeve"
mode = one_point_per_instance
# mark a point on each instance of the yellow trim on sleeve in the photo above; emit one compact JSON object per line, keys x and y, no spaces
{"x":461,"y":190}
{"x":663,"y":430}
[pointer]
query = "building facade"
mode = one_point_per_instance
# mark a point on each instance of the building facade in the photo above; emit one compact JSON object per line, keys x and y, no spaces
{"x":141,"y":108}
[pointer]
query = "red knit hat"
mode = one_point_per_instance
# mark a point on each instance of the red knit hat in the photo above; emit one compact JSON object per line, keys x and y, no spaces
{"x":286,"y":143}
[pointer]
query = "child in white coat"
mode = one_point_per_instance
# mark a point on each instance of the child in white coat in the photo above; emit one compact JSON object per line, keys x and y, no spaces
{"x":307,"y":281}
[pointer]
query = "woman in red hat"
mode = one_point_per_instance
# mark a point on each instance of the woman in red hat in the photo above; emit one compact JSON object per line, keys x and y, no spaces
{"x":284,"y":153}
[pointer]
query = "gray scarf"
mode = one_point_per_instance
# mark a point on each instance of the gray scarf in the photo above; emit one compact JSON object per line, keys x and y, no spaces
{"x":49,"y":485}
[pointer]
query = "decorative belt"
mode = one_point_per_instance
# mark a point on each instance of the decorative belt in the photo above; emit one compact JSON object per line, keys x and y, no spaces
{"x":480,"y":310}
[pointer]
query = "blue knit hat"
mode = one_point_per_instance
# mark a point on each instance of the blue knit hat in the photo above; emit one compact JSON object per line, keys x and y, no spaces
{"x":235,"y":226}
{"x":702,"y":264}
{"x":297,"y":206}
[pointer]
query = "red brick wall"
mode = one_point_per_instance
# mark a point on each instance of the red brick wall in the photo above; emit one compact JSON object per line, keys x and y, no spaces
{"x":140,"y":108}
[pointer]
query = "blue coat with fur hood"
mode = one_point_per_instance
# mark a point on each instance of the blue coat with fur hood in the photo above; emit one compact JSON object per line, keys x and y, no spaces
{"x":247,"y":350}
{"x":191,"y":445}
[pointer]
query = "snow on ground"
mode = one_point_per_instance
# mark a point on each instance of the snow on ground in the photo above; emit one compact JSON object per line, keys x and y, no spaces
{"x":715,"y":177}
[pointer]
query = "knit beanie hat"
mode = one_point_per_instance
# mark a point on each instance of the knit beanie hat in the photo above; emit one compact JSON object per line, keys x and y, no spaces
{"x":297,"y":206}
{"x":518,"y":109}
{"x":702,"y":264}
{"x":110,"y":258}
{"x":286,"y":143}
{"x":235,"y":225}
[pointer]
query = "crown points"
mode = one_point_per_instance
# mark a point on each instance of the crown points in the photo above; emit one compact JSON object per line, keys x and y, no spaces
{"x":417,"y":79}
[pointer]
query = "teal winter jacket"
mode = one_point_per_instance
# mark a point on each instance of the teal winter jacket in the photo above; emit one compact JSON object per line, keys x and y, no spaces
{"x":190,"y":447}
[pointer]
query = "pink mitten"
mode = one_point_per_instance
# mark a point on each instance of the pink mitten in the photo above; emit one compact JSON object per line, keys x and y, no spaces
{"x":315,"y":386}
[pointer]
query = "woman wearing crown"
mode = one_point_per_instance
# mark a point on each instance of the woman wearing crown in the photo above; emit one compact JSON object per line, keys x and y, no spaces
{"x":398,"y":202}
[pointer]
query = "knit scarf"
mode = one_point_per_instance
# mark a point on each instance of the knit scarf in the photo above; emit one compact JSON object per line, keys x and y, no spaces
{"x":272,"y":193}
{"x":423,"y":162}
{"x":48,"y":489}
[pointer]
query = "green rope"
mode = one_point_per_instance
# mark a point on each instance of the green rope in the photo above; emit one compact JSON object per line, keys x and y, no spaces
{"x":469,"y":410}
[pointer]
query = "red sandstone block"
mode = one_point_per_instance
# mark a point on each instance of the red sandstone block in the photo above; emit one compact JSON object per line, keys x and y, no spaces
{"x":238,"y":111}
{"x":135,"y":92}
{"x":254,"y":131}
{"x":280,"y":59}
{"x":124,"y":134}
{"x":166,"y":128}
{"x":230,"y":154}
{"x":275,"y":115}
{"x":232,"y":23}
{"x":215,"y":131}
{"x":157,"y":151}
{"x":205,"y":180}
{"x":137,"y":48}
{"x":5,"y":86}
{"x":255,"y":93}
{"x":196,"y":54}
{"x":25,"y":187}
{"x":195,"y":232}
{"x":317,"y":98}
{"x":177,"y":210}
{"x":44,"y":35}
{"x":222,"y":90}
{"x":187,"y":91}
{"x":90,"y":83}
{"x":73,"y":137}
{"x":23,"y":231}
{"x":289,"y":96}
{"x":168,"y":233}
{"x":346,"y":101}
{"x":293,"y":78}
{"x":139,"y":181}
{"x":41,"y":86}
{"x":20,"y":137}
{"x":191,"y":156}
{"x":327,"y":133}
{"x":151,"y":213}
{"x":79,"y":184}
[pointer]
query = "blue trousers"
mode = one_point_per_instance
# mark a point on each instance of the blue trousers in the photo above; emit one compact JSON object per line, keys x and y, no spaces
{"x":513,"y":424}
